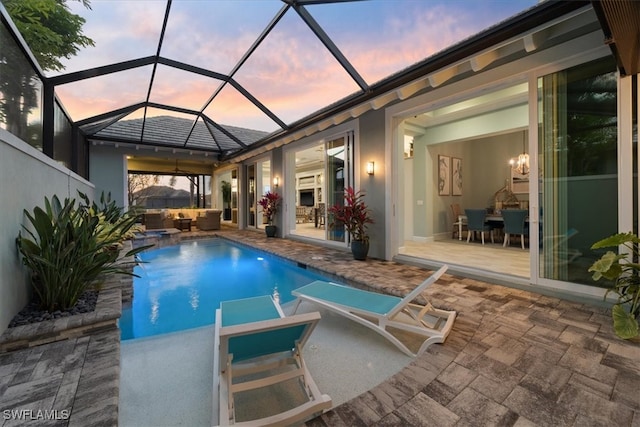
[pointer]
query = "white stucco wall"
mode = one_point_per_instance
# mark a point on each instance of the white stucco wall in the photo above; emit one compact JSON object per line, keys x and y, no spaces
{"x":26,"y":177}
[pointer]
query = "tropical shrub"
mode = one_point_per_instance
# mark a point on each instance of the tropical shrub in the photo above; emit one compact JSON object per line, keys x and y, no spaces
{"x":68,"y":247}
{"x":623,"y":270}
{"x":113,"y":220}
{"x":270,"y":202}
{"x":354,"y":214}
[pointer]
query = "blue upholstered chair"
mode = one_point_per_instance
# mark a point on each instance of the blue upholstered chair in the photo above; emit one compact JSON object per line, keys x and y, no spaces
{"x":476,"y":221}
{"x":515,"y":222}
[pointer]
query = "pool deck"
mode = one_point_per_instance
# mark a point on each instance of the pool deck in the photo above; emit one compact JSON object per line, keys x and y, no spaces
{"x":513,"y":358}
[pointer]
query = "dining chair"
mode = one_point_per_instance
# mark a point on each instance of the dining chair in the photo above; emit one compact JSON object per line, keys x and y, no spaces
{"x":515,"y":222}
{"x":459,"y":223}
{"x":321,"y":214}
{"x":476,"y":221}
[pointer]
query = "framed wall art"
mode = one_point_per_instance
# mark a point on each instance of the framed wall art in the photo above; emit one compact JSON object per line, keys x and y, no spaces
{"x":456,"y":176}
{"x":444,"y":175}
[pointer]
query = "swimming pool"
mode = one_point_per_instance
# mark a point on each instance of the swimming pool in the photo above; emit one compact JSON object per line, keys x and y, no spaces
{"x":181,"y":286}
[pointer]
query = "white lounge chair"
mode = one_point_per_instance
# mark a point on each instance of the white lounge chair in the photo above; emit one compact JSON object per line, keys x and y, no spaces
{"x":380,"y":312}
{"x":257,"y":347}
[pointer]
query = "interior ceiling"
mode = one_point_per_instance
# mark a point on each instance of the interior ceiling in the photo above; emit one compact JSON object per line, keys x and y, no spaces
{"x":495,"y":100}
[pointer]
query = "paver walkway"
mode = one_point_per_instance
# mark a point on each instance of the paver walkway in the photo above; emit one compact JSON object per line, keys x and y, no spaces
{"x":513,"y":358}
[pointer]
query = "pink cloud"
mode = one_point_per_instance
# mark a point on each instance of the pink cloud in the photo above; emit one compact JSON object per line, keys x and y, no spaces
{"x":291,"y":73}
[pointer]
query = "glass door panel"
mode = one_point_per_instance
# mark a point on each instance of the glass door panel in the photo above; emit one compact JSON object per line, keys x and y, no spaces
{"x":321,"y":173}
{"x":251,"y":196}
{"x":335,"y":184}
{"x":234,"y":196}
{"x":263,"y":185}
{"x":578,"y":168}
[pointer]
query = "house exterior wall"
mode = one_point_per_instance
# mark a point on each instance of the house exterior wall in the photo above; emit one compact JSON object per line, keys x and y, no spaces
{"x":371,"y":147}
{"x":27,"y":177}
{"x":108,"y":172}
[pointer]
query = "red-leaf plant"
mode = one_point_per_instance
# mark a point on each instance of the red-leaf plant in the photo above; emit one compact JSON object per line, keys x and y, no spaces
{"x":354,"y":214}
{"x":269,"y":203}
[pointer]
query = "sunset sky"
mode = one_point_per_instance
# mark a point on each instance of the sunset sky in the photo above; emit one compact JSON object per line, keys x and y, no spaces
{"x":291,"y":73}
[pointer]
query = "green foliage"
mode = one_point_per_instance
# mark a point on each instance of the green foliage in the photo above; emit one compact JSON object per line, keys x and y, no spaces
{"x":50,"y":29}
{"x":52,"y":32}
{"x":354,"y":214}
{"x":68,"y":248}
{"x":625,"y":325}
{"x":623,"y":271}
{"x":225,"y":186}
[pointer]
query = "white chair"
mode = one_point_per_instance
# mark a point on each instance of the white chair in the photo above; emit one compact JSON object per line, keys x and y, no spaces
{"x":380,"y":312}
{"x":256,"y":348}
{"x":459,"y":222}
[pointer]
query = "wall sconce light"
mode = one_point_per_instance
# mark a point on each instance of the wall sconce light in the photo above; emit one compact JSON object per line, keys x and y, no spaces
{"x":276,"y":182}
{"x":370,"y":168}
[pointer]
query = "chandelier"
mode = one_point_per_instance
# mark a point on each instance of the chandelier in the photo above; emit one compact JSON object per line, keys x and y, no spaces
{"x":521,"y":163}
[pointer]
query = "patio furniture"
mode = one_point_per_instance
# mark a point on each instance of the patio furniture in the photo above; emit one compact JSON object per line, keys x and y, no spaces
{"x":257,"y":347}
{"x":210,"y":220}
{"x":157,"y":220}
{"x":380,"y":312}
{"x":182,"y":224}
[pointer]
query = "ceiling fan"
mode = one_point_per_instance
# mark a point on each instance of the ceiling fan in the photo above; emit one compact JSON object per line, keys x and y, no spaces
{"x":177,"y":170}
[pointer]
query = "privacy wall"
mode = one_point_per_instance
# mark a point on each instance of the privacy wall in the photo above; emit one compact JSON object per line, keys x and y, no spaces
{"x":26,"y":177}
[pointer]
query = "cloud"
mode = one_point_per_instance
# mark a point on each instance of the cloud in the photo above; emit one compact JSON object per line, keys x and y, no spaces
{"x":291,"y":72}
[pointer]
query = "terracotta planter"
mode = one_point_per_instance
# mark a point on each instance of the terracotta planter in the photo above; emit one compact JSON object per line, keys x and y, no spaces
{"x":271,"y":230}
{"x":360,"y":249}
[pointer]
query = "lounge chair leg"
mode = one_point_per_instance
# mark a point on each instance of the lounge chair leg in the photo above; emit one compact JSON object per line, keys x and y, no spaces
{"x":482,"y":236}
{"x":295,"y":308}
{"x":522,"y":240}
{"x":506,"y":240}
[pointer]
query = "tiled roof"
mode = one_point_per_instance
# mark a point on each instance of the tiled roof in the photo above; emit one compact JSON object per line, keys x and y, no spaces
{"x":174,"y":132}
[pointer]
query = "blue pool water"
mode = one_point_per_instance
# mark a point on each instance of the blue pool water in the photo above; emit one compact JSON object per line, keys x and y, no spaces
{"x":181,"y":286}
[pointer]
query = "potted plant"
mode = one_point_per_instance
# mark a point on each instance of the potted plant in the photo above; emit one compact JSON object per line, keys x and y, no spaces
{"x":355,"y":216}
{"x":226,"y":199}
{"x":624,"y":271}
{"x":269,"y":203}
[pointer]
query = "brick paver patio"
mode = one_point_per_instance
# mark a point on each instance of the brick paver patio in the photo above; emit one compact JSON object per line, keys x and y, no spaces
{"x":513,"y":358}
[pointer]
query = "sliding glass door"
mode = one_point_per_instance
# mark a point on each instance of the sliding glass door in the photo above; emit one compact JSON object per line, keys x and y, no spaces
{"x":335,"y":160}
{"x":258,"y":183}
{"x":577,"y":168}
{"x":321,"y":173}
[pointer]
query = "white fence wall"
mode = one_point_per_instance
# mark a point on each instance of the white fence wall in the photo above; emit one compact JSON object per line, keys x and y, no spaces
{"x":26,"y":177}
